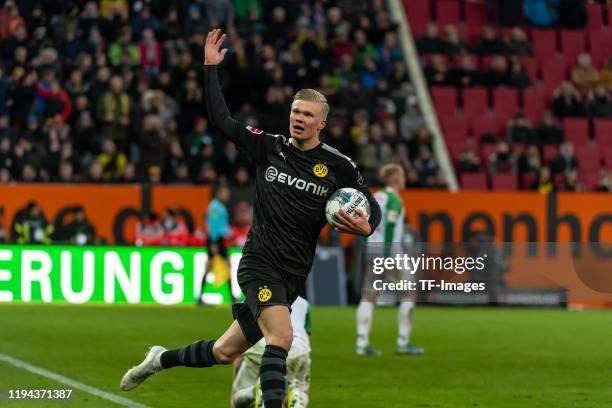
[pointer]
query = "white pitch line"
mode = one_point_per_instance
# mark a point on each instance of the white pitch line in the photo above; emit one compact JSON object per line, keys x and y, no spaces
{"x":72,"y":383}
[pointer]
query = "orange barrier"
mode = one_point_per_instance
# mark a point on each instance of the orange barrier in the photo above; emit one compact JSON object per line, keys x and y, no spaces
{"x":439,"y":216}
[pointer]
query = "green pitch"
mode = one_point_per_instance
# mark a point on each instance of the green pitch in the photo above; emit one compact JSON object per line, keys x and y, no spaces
{"x":474,"y":357}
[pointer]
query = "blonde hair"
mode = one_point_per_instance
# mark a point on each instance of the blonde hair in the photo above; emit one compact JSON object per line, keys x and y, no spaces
{"x":389,"y":170}
{"x":312,"y":95}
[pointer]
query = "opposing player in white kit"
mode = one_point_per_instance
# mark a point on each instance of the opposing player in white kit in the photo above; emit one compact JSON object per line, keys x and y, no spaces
{"x":386,"y":240}
{"x":246,"y":391}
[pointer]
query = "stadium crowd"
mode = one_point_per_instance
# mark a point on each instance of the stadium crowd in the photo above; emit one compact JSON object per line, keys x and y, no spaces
{"x":111,"y":91}
{"x":480,"y":60}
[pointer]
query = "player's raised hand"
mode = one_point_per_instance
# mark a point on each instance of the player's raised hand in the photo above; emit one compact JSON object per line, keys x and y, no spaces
{"x":213,"y":54}
{"x":358,"y":225}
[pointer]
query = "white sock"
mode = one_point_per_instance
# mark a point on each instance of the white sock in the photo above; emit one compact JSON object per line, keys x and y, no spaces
{"x":404,"y":322}
{"x":364,"y":323}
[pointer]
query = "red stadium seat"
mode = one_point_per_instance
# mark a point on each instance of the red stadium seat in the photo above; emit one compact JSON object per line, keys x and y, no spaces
{"x":544,"y":43}
{"x":504,"y":182}
{"x":553,"y":73}
{"x":475,"y":17}
{"x":608,"y":158}
{"x":447,"y":12}
{"x":600,"y":44}
{"x":445,"y":100}
{"x":591,"y":179}
{"x":576,"y":130}
{"x":534,"y":104}
{"x":573,"y":43}
{"x":485,"y":62}
{"x":505,"y":102}
{"x":518,"y":148}
{"x":532,"y":67}
{"x":589,"y":158}
{"x":603,"y":132}
{"x":455,"y":128}
{"x":486,"y":150}
{"x":419,"y":14}
{"x":475,"y":101}
{"x":484,"y":124}
{"x":473,"y":181}
{"x":595,"y":21}
{"x":527,"y":180}
{"x":549,"y":153}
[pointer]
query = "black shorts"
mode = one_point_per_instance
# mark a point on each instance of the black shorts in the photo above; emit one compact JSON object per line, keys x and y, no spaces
{"x":264,"y":289}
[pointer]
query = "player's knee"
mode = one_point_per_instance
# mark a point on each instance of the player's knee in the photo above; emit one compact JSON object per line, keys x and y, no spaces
{"x":369,"y":296}
{"x":224,"y":353}
{"x":282,"y":338}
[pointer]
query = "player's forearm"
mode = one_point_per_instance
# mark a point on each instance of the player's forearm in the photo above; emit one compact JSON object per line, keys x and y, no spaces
{"x":218,"y":113}
{"x":375,"y":214}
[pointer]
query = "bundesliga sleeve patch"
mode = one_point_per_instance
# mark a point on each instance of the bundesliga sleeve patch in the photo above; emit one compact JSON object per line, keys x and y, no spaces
{"x":254,"y":130}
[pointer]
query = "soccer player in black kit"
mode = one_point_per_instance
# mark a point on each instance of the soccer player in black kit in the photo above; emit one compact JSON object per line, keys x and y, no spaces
{"x":295,"y":176}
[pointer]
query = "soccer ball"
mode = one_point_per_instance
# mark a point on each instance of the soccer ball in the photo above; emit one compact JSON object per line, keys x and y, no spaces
{"x":349,"y":200}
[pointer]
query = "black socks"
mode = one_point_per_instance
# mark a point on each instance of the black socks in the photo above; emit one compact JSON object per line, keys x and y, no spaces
{"x":272,"y":376}
{"x":198,"y":354}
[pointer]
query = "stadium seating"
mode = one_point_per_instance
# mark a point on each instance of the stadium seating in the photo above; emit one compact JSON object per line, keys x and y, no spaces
{"x":504,"y":182}
{"x":487,"y":110}
{"x":473,"y":181}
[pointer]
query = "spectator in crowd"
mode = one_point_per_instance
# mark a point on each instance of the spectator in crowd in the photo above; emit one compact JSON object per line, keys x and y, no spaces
{"x":520,"y":130}
{"x":501,"y":161}
{"x":411,"y":119}
{"x":541,"y":13}
{"x":90,"y":66}
{"x":544,"y":183}
{"x":571,"y":183}
{"x":549,"y":131}
{"x":518,"y":76}
{"x":175,"y":230}
{"x":465,"y":74}
{"x":123,"y":52}
{"x":149,"y":232}
{"x":426,"y":166}
{"x":150,"y":53}
{"x":114,"y":112}
{"x":517,"y":44}
{"x":498,"y":73}
{"x":112,"y":161}
{"x":605,"y":184}
{"x":584,"y":75}
{"x":7,"y":160}
{"x":30,"y":226}
{"x":489,"y":43}
{"x":567,"y":101}
{"x":429,"y":43}
{"x":469,"y":161}
{"x":80,"y":231}
{"x":436,"y":72}
{"x":606,"y":73}
{"x":565,"y":160}
{"x":374,"y":152}
{"x":529,"y":161}
{"x":599,"y":104}
{"x":153,"y":146}
{"x":452,"y":43}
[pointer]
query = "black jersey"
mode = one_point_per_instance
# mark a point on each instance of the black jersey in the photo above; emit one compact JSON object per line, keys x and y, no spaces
{"x":292,"y":187}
